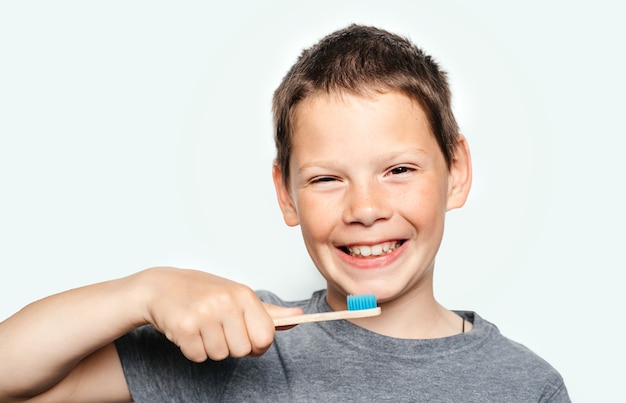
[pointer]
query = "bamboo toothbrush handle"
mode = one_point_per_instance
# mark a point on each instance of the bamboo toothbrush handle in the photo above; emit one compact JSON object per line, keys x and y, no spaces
{"x":324,"y":316}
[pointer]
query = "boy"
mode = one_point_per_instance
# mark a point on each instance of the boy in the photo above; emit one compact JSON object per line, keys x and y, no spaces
{"x":369,"y":160}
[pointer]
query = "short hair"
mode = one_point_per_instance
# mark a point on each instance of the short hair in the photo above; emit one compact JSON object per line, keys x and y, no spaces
{"x":360,"y":59}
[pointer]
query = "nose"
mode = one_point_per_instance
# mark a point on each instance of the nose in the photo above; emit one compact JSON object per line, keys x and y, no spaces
{"x":366,"y":203}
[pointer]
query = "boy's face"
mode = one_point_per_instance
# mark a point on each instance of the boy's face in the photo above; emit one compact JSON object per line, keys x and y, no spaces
{"x":370,"y":188}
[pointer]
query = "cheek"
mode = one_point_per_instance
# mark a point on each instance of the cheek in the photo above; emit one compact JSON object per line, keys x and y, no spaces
{"x":316,"y":218}
{"x":424,"y":204}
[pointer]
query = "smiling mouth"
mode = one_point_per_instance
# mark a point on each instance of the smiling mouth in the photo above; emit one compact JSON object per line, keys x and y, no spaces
{"x":371,"y":250}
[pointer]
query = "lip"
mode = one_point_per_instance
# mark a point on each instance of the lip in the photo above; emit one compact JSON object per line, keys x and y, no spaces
{"x":371,"y":263}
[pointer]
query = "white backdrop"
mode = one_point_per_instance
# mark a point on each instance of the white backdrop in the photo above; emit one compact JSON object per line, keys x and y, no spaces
{"x":138,"y":133}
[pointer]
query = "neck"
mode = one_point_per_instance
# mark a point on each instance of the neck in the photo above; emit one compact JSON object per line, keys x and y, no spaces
{"x":417,"y":316}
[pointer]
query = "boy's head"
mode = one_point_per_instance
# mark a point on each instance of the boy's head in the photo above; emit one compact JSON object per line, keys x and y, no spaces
{"x":364,"y":124}
{"x":361,"y":60}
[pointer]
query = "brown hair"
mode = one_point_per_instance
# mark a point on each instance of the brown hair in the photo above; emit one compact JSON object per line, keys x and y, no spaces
{"x":359,"y":59}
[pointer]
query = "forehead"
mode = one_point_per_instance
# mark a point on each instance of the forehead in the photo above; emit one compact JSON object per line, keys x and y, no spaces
{"x":336,"y":126}
{"x":385,"y":108}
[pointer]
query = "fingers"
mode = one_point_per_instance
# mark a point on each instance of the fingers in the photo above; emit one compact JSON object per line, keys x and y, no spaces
{"x":187,"y":336}
{"x":238,"y":337}
{"x":242,"y":333}
{"x":235,"y":330}
{"x":276,"y":311}
{"x":209,"y":317}
{"x":214,"y":340}
{"x":194,"y":349}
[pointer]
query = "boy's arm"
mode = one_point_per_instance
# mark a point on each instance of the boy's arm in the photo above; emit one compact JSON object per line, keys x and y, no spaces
{"x":61,"y":344}
{"x":45,"y":341}
{"x":97,"y":378}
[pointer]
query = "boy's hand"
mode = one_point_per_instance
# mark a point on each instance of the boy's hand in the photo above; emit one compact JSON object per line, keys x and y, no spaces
{"x":208,"y":316}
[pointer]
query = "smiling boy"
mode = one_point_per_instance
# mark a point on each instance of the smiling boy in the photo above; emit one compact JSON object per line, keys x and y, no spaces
{"x":369,"y":187}
{"x":369,"y":160}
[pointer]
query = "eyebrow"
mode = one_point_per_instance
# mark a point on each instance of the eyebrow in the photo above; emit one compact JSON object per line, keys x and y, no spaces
{"x":387,"y":156}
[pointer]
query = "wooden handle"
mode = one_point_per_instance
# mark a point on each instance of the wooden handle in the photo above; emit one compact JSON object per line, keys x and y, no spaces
{"x":324,"y":316}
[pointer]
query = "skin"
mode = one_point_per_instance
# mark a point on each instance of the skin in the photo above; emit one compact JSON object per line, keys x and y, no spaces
{"x":60,"y":349}
{"x":365,"y":170}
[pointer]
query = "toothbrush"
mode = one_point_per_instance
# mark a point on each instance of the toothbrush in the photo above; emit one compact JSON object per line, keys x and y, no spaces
{"x":359,"y":306}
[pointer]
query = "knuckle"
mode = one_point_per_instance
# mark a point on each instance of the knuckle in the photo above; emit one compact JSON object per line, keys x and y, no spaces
{"x":193,"y":353}
{"x":264,"y":339}
{"x":218,"y":354}
{"x":187,"y":326}
{"x":241,"y":350}
{"x":225,"y":299}
{"x":245,"y":293}
{"x":257,"y":352}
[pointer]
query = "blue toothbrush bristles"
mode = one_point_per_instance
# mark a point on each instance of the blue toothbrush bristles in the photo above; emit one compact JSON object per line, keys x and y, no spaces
{"x":360,"y":302}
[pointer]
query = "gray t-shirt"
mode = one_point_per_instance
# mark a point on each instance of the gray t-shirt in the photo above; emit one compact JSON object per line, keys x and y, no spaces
{"x":341,"y":362}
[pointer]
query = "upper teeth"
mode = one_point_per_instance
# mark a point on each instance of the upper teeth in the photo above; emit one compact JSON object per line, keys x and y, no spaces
{"x":373,"y":250}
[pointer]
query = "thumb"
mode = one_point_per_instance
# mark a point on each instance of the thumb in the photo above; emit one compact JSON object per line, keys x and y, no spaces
{"x":276,"y":311}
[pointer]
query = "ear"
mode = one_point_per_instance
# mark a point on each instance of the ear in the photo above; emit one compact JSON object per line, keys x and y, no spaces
{"x":285,"y":201}
{"x":460,"y":175}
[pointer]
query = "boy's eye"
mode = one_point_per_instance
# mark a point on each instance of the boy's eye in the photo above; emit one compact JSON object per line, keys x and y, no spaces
{"x":323,"y":179}
{"x":400,"y":170}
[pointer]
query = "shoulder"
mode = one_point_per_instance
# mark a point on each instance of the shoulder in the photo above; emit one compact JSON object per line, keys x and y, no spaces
{"x":503,"y":348}
{"x":514,"y":363}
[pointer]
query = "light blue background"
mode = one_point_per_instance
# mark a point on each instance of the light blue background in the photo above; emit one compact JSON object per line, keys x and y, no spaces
{"x":135,"y":134}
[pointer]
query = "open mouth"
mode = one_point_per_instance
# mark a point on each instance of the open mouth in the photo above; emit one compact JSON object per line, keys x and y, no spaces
{"x":371,"y":250}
